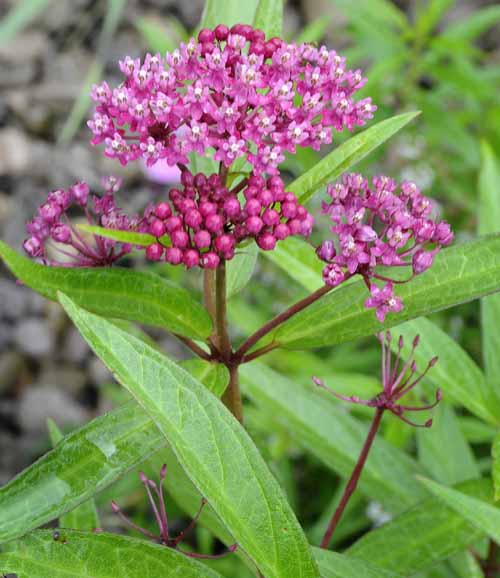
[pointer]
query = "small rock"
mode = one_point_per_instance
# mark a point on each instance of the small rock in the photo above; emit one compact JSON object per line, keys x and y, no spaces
{"x":14,"y":299}
{"x":98,"y":372}
{"x":34,"y":337}
{"x":39,"y":403}
{"x":14,"y":152}
{"x":65,"y":377}
{"x":11,"y":365}
{"x":75,"y":349}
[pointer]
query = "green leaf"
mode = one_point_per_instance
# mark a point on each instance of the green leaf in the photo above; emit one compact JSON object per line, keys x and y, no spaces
{"x":83,"y":463}
{"x":317,"y":422}
{"x":84,"y":517}
{"x":240,"y":269}
{"x":299,"y":260}
{"x":86,"y":555}
{"x":19,"y":16}
{"x":495,"y":450}
{"x":443,"y":449}
{"x":424,"y":535}
{"x":228,"y":12}
{"x":478,"y":512}
{"x":214,"y":376}
{"x":314,"y":31}
{"x":459,"y":274}
{"x":489,"y":222}
{"x":116,"y":292}
{"x":155,"y":34}
{"x":347,"y":155}
{"x":380,"y":11}
{"x":211,"y":446}
{"x":140,"y":239}
{"x":269,"y":17}
{"x":455,"y":370}
{"x":474,"y":24}
{"x":334,"y":565}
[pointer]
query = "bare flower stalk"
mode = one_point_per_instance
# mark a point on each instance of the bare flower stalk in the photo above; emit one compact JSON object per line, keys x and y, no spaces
{"x":354,"y":479}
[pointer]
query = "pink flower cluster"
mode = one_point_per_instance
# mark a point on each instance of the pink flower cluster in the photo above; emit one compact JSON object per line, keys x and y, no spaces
{"x":231,"y":91}
{"x":205,"y":221}
{"x":379,"y":225}
{"x":52,"y":226}
{"x":398,"y":379}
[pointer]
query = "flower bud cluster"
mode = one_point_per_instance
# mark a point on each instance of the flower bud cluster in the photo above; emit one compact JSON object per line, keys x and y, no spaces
{"x":205,"y":221}
{"x":232,"y":91}
{"x":379,"y":224}
{"x":55,"y":239}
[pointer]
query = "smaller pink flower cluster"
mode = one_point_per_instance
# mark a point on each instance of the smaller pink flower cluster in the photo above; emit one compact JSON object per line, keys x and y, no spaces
{"x":379,"y":225}
{"x":52,"y":226}
{"x":205,"y":221}
{"x":232,"y":91}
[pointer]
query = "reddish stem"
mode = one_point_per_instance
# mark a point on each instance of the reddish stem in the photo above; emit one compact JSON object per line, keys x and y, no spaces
{"x":353,"y":481}
{"x":279,"y":319}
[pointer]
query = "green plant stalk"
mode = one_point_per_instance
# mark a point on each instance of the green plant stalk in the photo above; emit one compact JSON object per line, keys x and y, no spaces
{"x":232,"y":396}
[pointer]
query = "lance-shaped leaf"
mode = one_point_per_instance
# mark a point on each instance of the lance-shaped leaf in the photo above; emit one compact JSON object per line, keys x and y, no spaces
{"x":298,"y":260}
{"x":83,"y":463}
{"x":141,"y":239}
{"x":85,"y":517}
{"x":489,"y":222}
{"x":478,"y":512}
{"x":211,"y":446}
{"x":88,"y":555}
{"x":315,"y":420}
{"x":347,"y":155}
{"x":495,"y":451}
{"x":460,"y":273}
{"x":424,"y":535}
{"x":334,"y":565}
{"x":269,"y":17}
{"x":455,"y":371}
{"x":116,"y":292}
{"x":240,"y":269}
{"x":228,"y":12}
{"x":214,"y":376}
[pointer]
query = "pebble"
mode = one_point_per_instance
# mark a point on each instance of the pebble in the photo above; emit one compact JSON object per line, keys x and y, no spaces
{"x":34,"y":337}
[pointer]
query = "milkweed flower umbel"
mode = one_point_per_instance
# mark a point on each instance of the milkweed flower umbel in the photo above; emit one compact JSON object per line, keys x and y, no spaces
{"x":55,"y":240}
{"x":398,"y":379}
{"x":230,"y":91}
{"x":379,"y":224}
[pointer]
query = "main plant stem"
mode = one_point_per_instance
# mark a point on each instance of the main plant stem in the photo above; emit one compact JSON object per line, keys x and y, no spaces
{"x":216,"y":303}
{"x":353,"y":480}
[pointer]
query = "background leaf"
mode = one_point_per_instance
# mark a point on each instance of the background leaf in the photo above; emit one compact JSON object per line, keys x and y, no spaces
{"x":334,"y":565}
{"x":211,"y":446}
{"x":481,"y":514}
{"x":318,"y":424}
{"x":347,"y":155}
{"x":228,"y":12}
{"x":87,"y":555}
{"x":298,"y":259}
{"x":269,"y":17}
{"x":489,"y":222}
{"x":116,"y":292}
{"x":240,"y":269}
{"x":455,"y":371}
{"x":443,"y":449}
{"x":403,"y":545}
{"x":83,"y":463}
{"x":84,"y":517}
